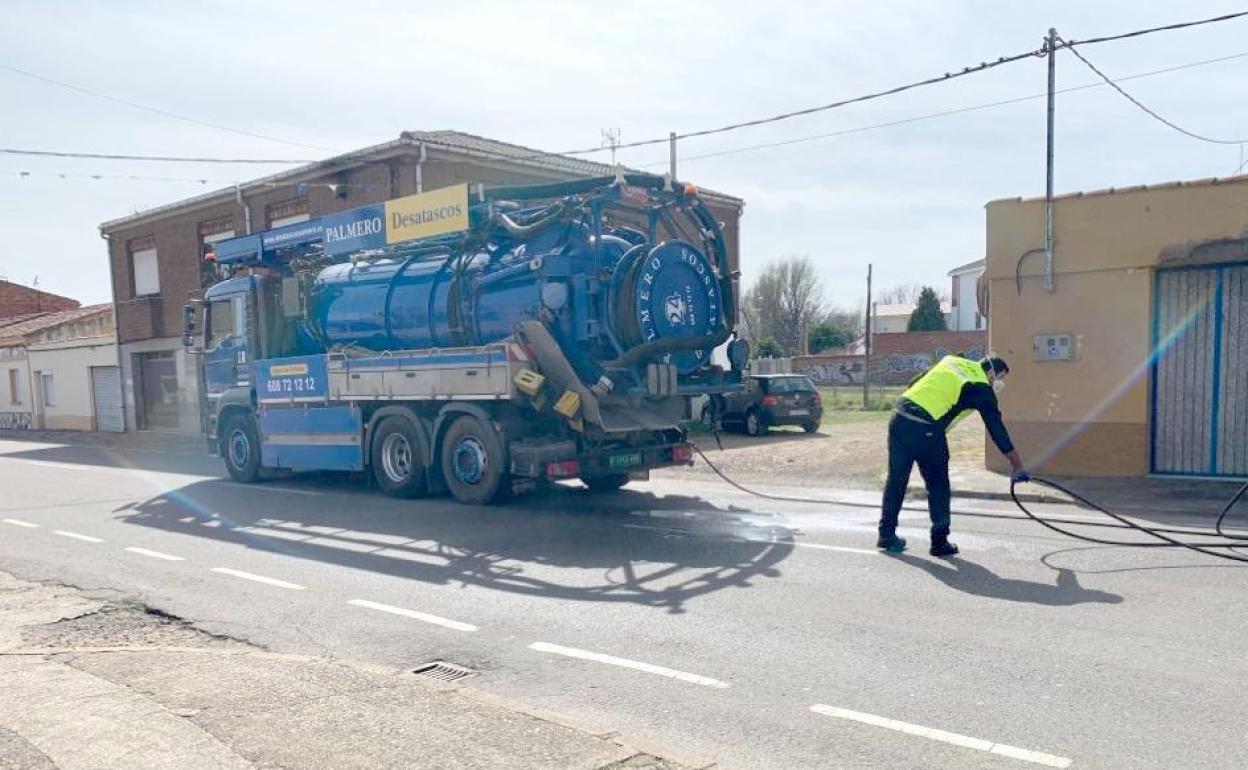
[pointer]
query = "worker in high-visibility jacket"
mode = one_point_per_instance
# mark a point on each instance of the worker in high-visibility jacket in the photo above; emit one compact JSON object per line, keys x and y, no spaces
{"x":933,"y":403}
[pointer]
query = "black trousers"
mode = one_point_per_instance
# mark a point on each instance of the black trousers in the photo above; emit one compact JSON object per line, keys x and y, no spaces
{"x":911,"y":442}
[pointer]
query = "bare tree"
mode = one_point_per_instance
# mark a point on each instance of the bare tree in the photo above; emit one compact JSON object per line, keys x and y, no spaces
{"x":900,"y":294}
{"x":785,"y":303}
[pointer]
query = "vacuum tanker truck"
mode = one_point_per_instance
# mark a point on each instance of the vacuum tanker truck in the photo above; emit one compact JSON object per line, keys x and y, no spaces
{"x":471,"y":341}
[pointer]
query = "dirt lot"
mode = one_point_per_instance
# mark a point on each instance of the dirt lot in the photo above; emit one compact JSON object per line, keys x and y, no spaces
{"x":850,"y":450}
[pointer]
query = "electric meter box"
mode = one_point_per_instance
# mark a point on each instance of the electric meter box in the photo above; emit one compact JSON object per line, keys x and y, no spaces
{"x":1054,"y":346}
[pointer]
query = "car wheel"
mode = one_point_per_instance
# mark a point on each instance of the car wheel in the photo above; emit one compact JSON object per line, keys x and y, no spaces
{"x":599,"y":484}
{"x":754,"y":423}
{"x":397,"y":457}
{"x":473,"y":462}
{"x":810,"y":427}
{"x":240,"y":448}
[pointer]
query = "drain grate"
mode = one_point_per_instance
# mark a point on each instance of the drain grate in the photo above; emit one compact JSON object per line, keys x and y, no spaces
{"x":442,"y":671}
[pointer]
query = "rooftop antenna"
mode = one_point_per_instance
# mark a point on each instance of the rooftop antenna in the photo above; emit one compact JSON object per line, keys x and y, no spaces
{"x":611,"y":138}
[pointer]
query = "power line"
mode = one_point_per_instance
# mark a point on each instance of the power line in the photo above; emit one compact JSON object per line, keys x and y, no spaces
{"x":1139,"y":104}
{"x":896,"y":90}
{"x":162,"y":158}
{"x":159,"y":111}
{"x":1151,"y":30}
{"x":943,"y":113}
{"x":195,"y":180}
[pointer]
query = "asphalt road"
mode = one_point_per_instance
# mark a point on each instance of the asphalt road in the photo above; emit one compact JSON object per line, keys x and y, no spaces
{"x":696,"y":620}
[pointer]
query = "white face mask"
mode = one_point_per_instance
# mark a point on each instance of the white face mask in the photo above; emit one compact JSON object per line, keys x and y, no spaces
{"x":998,"y":386}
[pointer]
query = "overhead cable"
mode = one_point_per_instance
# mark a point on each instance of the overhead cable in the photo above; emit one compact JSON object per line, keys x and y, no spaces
{"x":162,"y":158}
{"x":941,"y":114}
{"x":1150,"y":112}
{"x":158,"y":111}
{"x":1151,"y":30}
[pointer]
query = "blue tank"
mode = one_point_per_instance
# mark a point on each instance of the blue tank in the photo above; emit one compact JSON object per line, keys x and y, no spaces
{"x":601,"y":299}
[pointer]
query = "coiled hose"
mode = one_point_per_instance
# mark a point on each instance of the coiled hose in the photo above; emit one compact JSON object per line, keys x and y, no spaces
{"x":1220,"y":549}
{"x":1161,"y":534}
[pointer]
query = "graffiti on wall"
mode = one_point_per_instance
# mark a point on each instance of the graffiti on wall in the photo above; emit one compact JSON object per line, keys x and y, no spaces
{"x":920,"y":362}
{"x":842,"y":373}
{"x":15,"y":421}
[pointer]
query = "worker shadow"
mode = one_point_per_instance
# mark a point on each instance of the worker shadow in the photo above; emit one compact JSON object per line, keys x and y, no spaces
{"x":978,"y":580}
{"x":631,"y":547}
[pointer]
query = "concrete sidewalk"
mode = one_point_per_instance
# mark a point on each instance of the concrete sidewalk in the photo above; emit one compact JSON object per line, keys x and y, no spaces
{"x":90,"y":682}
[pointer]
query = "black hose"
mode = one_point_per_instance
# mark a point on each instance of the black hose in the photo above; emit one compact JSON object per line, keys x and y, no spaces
{"x":1156,"y":532}
{"x":1167,"y":541}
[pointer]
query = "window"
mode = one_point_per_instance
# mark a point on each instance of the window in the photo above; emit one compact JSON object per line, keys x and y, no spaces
{"x":15,"y":393}
{"x":287,"y":212}
{"x":220,"y":324}
{"x":979,"y":321}
{"x":146,"y":272}
{"x":49,"y":393}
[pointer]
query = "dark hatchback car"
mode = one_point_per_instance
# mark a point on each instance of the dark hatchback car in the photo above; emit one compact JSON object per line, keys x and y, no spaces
{"x":767,"y":400}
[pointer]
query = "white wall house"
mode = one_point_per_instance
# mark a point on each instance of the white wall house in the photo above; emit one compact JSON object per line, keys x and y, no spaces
{"x":58,"y":371}
{"x":74,"y":373}
{"x":895,"y":319}
{"x":965,"y":303}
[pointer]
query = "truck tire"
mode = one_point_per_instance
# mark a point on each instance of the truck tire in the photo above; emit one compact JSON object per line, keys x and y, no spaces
{"x":473,"y":462}
{"x":601,"y":484}
{"x":240,"y":448}
{"x":397,"y":457}
{"x":753,"y":424}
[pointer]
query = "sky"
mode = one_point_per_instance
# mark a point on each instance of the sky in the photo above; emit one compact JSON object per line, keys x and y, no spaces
{"x":325,"y":77}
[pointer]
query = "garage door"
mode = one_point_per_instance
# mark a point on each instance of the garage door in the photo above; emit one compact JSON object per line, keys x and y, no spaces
{"x":106,"y":394}
{"x":1200,"y":375}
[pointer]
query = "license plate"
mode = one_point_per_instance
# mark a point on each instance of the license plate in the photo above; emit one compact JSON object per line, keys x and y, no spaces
{"x":624,"y":460}
{"x":798,"y":412}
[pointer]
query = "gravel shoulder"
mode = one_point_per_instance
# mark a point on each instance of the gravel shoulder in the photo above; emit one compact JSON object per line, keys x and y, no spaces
{"x":849,"y":450}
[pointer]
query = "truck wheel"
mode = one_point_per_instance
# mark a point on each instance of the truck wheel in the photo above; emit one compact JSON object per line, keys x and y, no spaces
{"x":754,"y":423}
{"x":240,"y":448}
{"x":398,"y":458}
{"x":473,"y":462}
{"x":600,"y":484}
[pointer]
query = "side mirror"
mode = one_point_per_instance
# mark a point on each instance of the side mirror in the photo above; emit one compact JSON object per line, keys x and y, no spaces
{"x":188,"y":325}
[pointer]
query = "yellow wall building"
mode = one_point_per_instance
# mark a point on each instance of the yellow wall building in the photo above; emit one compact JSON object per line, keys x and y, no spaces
{"x":1137,"y":361}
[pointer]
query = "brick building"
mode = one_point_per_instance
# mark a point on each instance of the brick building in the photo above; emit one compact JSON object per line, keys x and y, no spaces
{"x":16,"y":300}
{"x":156,"y":256}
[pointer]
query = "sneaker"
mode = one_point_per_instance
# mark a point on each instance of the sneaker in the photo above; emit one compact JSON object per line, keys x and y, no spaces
{"x":943,"y":548}
{"x":891,"y":544}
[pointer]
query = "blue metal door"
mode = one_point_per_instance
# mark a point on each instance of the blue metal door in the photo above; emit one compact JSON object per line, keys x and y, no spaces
{"x":1200,"y":372}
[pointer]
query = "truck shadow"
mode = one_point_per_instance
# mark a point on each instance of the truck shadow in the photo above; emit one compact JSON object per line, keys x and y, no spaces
{"x":630,"y":547}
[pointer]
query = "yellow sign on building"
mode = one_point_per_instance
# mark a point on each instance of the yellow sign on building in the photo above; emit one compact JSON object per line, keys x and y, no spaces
{"x":427,"y":214}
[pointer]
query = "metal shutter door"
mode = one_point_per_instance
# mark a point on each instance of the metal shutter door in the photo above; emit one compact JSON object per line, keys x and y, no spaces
{"x":1183,"y":395}
{"x":106,"y":393}
{"x":1233,"y":374}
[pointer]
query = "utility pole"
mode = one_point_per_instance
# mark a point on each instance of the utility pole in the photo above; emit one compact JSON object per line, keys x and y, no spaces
{"x":866,"y":366}
{"x":1050,"y":284}
{"x":611,"y":138}
{"x":671,"y":141}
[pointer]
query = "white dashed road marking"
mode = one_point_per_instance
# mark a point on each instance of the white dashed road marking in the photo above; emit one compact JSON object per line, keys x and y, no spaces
{"x":76,"y":536}
{"x":434,"y":619}
{"x":20,"y":523}
{"x":649,"y":668}
{"x":268,"y":581}
{"x":979,"y":744}
{"x":155,"y":554}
